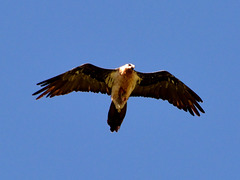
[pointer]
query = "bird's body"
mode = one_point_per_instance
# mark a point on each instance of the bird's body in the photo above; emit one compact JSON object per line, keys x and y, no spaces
{"x":121,"y":83}
{"x":125,"y":80}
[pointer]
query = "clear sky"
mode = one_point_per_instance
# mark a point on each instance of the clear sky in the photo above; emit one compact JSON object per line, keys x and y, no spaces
{"x":67,"y":137}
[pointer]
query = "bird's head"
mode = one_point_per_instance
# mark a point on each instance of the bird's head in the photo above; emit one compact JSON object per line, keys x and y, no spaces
{"x":127,"y":68}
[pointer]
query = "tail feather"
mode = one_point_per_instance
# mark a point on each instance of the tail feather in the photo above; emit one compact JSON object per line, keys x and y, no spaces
{"x":115,"y":118}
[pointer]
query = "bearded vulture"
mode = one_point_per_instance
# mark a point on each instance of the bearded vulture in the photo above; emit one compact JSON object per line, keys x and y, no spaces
{"x":120,"y":84}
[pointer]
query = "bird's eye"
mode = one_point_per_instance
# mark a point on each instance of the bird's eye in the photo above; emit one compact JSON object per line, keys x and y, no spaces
{"x":129,"y":65}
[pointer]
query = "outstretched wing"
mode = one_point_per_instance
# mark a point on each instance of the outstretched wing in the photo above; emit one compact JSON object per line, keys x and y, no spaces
{"x":86,"y":77}
{"x":164,"y":85}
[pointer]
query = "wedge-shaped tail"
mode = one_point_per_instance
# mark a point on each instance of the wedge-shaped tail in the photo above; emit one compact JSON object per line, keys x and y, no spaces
{"x":115,"y":118}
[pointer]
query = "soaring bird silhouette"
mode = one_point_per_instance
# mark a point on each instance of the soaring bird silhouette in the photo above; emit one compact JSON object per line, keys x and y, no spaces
{"x":120,"y":84}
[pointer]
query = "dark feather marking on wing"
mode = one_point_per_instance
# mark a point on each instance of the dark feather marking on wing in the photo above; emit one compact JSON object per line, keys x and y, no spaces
{"x":164,"y":85}
{"x":86,"y":77}
{"x":199,"y":107}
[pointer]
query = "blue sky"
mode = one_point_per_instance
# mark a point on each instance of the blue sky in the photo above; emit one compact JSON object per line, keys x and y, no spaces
{"x":67,"y":137}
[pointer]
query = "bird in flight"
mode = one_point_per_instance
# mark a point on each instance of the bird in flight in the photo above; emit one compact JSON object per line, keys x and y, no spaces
{"x":120,"y":84}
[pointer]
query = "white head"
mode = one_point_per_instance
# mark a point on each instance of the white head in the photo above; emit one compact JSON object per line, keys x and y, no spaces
{"x":126,"y":68}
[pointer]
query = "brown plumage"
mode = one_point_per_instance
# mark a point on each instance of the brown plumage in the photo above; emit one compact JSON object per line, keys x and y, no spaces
{"x":164,"y":85}
{"x":82,"y":78}
{"x":121,"y":83}
{"x":115,"y":118}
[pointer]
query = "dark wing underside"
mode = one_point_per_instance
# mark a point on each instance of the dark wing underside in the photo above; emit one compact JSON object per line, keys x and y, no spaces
{"x":164,"y":85}
{"x":86,"y":77}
